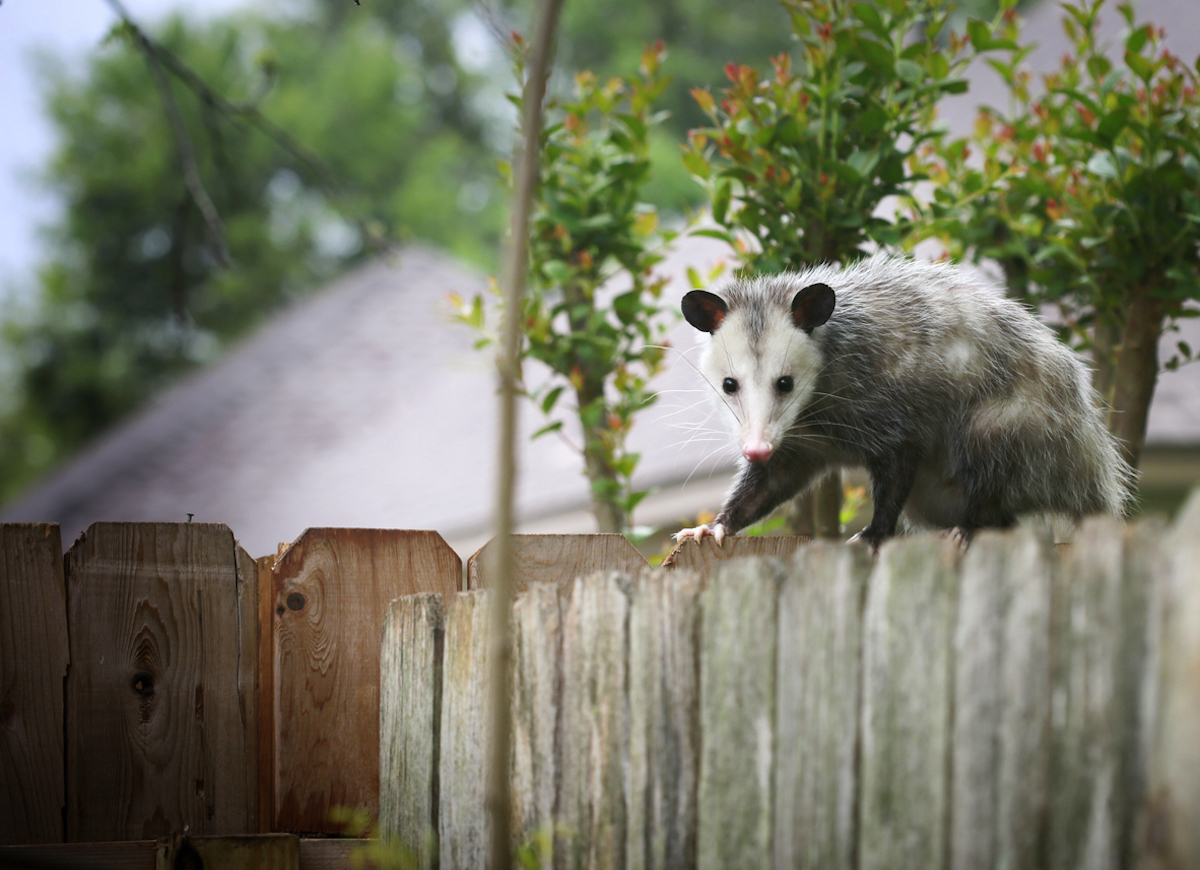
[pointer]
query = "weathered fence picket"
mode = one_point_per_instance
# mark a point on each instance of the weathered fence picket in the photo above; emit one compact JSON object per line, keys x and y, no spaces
{"x":1000,"y":766}
{"x":33,"y":662}
{"x":410,"y":712}
{"x":537,"y":702}
{"x":816,"y":722}
{"x":462,"y":785}
{"x":737,"y":715}
{"x":1169,"y":826}
{"x":331,"y":590}
{"x":664,"y":726}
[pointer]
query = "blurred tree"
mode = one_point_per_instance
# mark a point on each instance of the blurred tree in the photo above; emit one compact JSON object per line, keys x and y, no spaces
{"x":134,"y":291}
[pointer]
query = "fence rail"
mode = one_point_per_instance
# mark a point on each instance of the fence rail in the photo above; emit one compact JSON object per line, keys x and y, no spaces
{"x":1022,"y":706}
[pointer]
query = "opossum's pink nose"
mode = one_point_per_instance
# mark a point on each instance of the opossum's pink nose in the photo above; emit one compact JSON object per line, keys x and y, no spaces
{"x":757,"y":451}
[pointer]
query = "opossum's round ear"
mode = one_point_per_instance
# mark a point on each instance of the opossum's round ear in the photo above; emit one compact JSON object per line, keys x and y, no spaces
{"x":812,"y":306}
{"x":704,"y":310}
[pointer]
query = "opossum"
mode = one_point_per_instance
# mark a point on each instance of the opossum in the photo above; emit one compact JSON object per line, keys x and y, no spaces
{"x":965,"y":410}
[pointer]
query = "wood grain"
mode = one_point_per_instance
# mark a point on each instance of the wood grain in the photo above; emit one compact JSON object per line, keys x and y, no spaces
{"x":704,"y":557}
{"x":161,"y":699}
{"x":332,"y":588}
{"x":127,"y":855}
{"x":33,"y":662}
{"x":737,"y":714}
{"x":594,"y":730}
{"x":1001,"y":752}
{"x":908,"y":642}
{"x":664,"y":722}
{"x":553,"y":558}
{"x":817,"y":718}
{"x":410,"y":711}
{"x":464,"y":829}
{"x":1098,"y":655}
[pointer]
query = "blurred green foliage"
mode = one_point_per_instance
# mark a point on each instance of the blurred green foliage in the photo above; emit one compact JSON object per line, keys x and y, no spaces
{"x":1088,"y":196}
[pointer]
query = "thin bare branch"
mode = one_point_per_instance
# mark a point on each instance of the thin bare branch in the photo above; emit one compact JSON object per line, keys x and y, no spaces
{"x":517,"y":267}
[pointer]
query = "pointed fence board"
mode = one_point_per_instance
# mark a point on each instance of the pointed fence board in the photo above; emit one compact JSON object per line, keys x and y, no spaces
{"x":1001,"y":762}
{"x":463,"y":825}
{"x":737,"y":715}
{"x":819,"y":680}
{"x":551,"y":558}
{"x":704,"y":557}
{"x":664,"y":725}
{"x":908,"y":642}
{"x":332,"y":588}
{"x":1098,"y":661}
{"x":594,"y":731}
{"x":1169,"y":827}
{"x":33,"y":662}
{"x":410,"y":715}
{"x":161,"y":695}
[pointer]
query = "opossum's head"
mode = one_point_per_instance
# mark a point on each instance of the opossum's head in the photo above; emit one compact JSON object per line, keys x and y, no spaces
{"x":762,"y":359}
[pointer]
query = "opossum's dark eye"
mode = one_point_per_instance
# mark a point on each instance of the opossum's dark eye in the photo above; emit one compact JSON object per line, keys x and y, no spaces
{"x":784,"y":384}
{"x":729,"y":385}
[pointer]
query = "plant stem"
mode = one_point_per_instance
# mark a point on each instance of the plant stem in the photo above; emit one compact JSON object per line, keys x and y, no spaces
{"x":517,"y":267}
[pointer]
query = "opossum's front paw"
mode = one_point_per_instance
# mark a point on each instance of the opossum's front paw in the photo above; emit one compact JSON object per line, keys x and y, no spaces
{"x":715,"y":530}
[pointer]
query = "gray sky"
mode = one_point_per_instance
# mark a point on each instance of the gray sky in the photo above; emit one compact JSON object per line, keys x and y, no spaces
{"x":69,"y":29}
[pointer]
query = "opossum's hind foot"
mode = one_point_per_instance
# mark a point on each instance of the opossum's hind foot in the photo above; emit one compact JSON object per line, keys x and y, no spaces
{"x":713,"y":530}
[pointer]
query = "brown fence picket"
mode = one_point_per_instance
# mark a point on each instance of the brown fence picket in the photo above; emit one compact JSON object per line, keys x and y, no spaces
{"x":33,"y":662}
{"x":161,"y":695}
{"x":332,"y":588}
{"x":549,"y":558}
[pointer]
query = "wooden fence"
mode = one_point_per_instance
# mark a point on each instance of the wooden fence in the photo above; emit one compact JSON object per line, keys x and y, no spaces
{"x":1020,"y":706}
{"x":160,"y":681}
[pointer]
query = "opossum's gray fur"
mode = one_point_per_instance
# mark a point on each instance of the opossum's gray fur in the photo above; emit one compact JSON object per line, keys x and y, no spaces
{"x":921,"y":367}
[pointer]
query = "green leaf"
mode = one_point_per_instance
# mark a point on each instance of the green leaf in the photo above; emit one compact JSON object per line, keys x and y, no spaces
{"x":720,"y":203}
{"x":980,"y":34}
{"x":713,"y":234}
{"x":1102,"y":165}
{"x":1142,"y":68}
{"x":1137,"y":38}
{"x":909,"y":71}
{"x":550,"y":398}
{"x":1112,"y":124}
{"x":696,"y":164}
{"x":547,"y":429}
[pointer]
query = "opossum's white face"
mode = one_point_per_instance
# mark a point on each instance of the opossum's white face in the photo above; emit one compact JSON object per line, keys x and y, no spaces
{"x":762,"y":362}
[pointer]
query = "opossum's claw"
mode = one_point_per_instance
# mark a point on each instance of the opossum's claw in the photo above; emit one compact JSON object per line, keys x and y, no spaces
{"x":699,"y":533}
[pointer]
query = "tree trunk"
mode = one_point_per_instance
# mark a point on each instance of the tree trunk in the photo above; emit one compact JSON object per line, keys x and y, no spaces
{"x":597,"y":459}
{"x":1129,"y":388}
